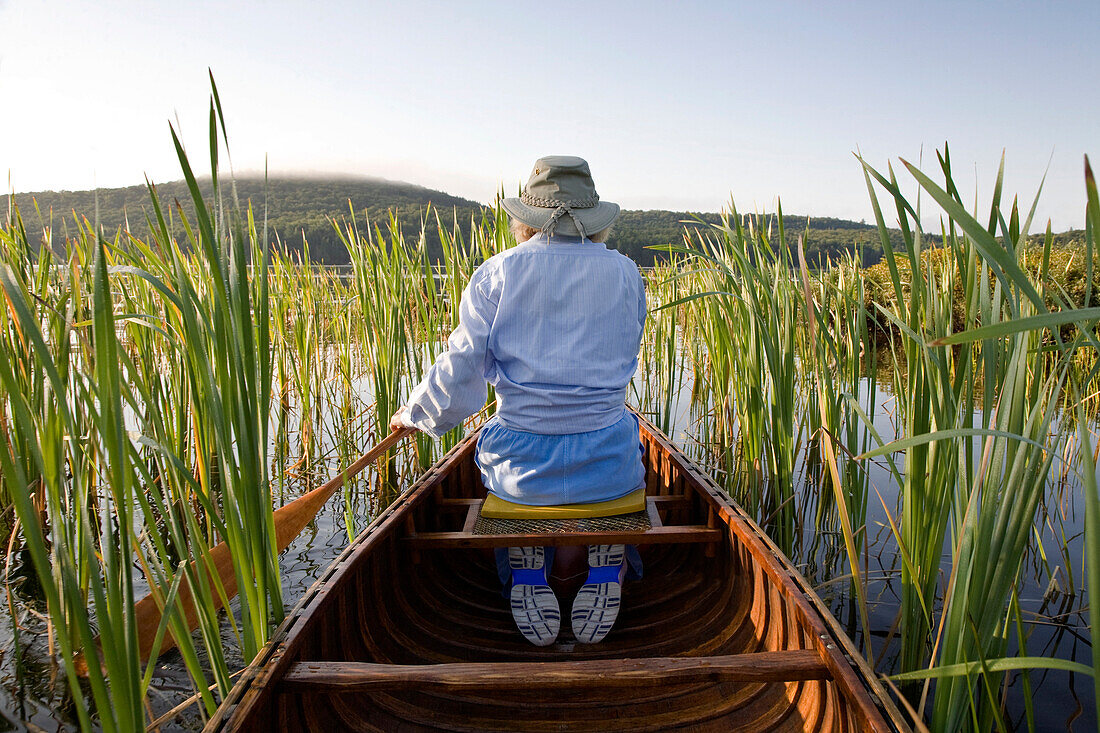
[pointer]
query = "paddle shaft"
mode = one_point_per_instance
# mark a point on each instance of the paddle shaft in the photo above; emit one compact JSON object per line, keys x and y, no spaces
{"x":290,"y":519}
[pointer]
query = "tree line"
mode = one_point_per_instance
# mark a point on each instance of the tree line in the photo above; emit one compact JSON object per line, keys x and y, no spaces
{"x":301,"y":210}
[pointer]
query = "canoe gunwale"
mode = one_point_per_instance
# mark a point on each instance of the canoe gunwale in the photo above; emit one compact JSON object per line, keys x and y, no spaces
{"x":870,"y":703}
{"x":829,"y":638}
{"x":274,"y":658}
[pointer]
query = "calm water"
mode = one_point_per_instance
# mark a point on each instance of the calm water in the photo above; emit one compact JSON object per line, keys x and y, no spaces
{"x":33,"y":694}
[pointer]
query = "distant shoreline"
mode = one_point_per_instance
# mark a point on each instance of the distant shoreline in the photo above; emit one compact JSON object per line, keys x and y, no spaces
{"x":302,"y":207}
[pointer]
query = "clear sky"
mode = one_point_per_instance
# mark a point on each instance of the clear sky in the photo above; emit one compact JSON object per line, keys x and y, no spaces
{"x":676,"y":105}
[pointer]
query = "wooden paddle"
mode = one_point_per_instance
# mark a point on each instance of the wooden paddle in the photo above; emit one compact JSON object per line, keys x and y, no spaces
{"x":290,"y":519}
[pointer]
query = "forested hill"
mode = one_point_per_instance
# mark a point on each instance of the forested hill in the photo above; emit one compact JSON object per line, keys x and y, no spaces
{"x":295,"y":207}
{"x":306,"y":206}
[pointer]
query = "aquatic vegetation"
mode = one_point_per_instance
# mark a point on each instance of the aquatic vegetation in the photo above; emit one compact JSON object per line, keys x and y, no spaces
{"x":163,"y":394}
{"x":979,"y":363}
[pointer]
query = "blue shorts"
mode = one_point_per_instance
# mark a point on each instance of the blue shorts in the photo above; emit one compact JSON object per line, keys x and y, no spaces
{"x":575,"y":468}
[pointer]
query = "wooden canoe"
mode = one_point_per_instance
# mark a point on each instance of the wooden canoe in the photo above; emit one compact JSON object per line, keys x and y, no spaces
{"x":407,"y":630}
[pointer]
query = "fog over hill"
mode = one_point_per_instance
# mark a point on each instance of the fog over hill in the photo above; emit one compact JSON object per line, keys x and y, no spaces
{"x":305,"y":206}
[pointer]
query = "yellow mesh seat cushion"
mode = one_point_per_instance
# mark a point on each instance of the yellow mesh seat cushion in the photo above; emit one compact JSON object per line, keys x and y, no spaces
{"x":497,"y":508}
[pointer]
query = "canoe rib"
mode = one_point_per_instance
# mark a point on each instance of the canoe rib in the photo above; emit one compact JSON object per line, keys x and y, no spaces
{"x":787,"y":666}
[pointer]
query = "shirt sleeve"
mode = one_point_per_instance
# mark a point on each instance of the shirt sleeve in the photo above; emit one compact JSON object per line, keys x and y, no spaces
{"x":454,"y":386}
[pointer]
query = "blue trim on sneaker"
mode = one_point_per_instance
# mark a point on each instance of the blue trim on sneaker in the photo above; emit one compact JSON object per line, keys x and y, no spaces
{"x":529,"y":576}
{"x":606,"y":574}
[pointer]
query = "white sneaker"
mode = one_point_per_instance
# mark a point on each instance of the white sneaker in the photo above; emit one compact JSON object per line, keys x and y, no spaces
{"x":597,"y":603}
{"x":534,"y":605}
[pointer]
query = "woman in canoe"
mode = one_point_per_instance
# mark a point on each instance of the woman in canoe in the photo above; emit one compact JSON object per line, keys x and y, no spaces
{"x":554,"y":325}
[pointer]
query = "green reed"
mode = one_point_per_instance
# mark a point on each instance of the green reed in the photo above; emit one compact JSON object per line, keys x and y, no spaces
{"x":836,"y":338}
{"x":845,"y":381}
{"x":979,"y":370}
{"x":933,"y":386}
{"x":62,"y":547}
{"x":979,"y":480}
{"x":228,"y":343}
{"x":138,"y":378}
{"x":145,"y":433}
{"x":663,"y":356}
{"x":747,"y":314}
{"x":383,"y":291}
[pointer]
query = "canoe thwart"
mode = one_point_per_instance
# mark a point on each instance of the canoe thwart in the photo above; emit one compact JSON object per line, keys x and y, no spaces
{"x":784,"y":666}
{"x":686,"y":534}
{"x":636,"y":528}
{"x":679,"y":534}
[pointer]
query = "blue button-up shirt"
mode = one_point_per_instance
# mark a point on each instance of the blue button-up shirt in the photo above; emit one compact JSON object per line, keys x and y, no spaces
{"x":554,"y":325}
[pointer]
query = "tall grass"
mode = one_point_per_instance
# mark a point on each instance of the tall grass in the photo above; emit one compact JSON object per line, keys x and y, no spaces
{"x":976,"y":476}
{"x":138,"y":437}
{"x":160,"y":394}
{"x":141,"y":379}
{"x":663,"y":353}
{"x":979,"y":371}
{"x":748,"y":319}
{"x":835,"y":359}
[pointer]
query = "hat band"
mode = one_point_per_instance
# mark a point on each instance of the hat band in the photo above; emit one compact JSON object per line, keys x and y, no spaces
{"x":548,"y":227}
{"x":586,"y":203}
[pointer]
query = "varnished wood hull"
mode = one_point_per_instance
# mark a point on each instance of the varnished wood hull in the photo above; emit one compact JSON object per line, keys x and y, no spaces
{"x":400,"y":637}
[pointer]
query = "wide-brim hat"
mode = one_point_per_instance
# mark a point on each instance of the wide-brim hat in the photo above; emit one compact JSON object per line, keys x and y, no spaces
{"x":560,"y":198}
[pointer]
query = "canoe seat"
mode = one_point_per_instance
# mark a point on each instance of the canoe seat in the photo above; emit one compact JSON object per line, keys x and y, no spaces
{"x":625,"y":514}
{"x":634,"y":522}
{"x":496,"y":508}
